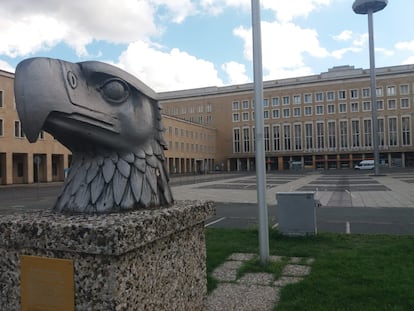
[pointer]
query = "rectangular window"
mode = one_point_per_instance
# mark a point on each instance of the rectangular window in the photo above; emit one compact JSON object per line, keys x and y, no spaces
{"x":331,"y":134}
{"x":266,"y":114}
{"x":391,"y":90}
{"x":392,"y":131}
{"x":275,"y":114}
{"x":366,"y":106}
{"x":236,"y":105}
{"x":298,"y":136}
{"x":320,"y":135}
{"x":236,"y":117}
{"x":18,"y":131}
{"x":209,"y":108}
{"x":404,"y":103}
{"x":200,"y":108}
{"x":266,"y":138}
{"x":200,"y":119}
{"x":354,"y":93}
{"x":245,"y":104}
{"x":266,"y":102}
{"x":286,"y":133}
{"x":380,"y":105}
{"x":367,"y":133}
{"x":296,"y":112}
{"x":404,"y":89}
{"x":381,"y":132}
{"x":342,"y":107}
{"x":275,"y":101}
{"x":380,"y":92}
{"x":342,"y":95}
{"x":1,"y":99}
{"x":245,"y":116}
{"x":276,"y":137}
{"x":286,"y":112}
{"x":1,"y":127}
{"x":343,"y":134}
{"x":308,"y":110}
{"x":392,"y":104}
{"x":236,"y":140}
{"x":309,"y":135}
{"x":366,"y":92}
{"x":355,"y":133}
{"x":354,"y":107}
{"x":330,"y":96}
{"x":296,"y":99}
{"x":406,"y":130}
{"x":319,"y":109}
{"x":246,"y":139}
{"x":285,"y":100}
{"x":308,"y":98}
{"x":319,"y":96}
{"x":331,"y":108}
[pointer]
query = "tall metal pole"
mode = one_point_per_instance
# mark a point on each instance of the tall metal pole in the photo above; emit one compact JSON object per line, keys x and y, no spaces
{"x":375,"y":134}
{"x":259,"y":127}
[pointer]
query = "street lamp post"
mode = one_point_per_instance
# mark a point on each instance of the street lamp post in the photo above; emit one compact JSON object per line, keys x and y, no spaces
{"x":370,"y":7}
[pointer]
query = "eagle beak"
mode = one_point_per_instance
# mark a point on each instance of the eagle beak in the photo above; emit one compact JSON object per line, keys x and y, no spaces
{"x":35,"y":99}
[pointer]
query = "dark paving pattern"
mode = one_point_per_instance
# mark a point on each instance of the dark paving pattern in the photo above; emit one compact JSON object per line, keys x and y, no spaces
{"x":408,"y":178}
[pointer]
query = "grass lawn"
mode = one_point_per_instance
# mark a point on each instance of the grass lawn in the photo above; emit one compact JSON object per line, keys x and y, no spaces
{"x":350,"y":272}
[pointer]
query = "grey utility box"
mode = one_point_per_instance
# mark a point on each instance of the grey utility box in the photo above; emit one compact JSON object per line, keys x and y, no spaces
{"x":295,"y":213}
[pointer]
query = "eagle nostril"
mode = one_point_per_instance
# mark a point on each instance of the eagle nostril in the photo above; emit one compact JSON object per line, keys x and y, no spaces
{"x":72,"y":79}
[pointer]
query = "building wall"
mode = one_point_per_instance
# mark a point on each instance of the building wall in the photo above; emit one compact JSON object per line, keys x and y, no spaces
{"x":339,"y":128}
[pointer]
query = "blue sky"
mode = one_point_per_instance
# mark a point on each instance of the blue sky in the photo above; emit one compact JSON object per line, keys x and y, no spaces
{"x":181,"y":44}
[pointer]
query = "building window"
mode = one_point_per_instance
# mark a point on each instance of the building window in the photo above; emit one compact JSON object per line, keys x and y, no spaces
{"x":342,"y":107}
{"x":236,"y":105}
{"x":331,"y":108}
{"x":381,"y":132}
{"x":18,"y":131}
{"x":392,"y":104}
{"x":354,"y":93}
{"x":296,"y":112}
{"x":366,"y":106}
{"x":245,"y":116}
{"x":366,"y":92}
{"x":355,"y":133}
{"x":343,"y":134}
{"x":392,"y":131}
{"x":308,"y":110}
{"x":296,"y":99}
{"x":379,"y":91}
{"x":200,"y":108}
{"x":236,"y":117}
{"x":208,"y":119}
{"x":309,"y":135}
{"x":286,"y":133}
{"x":1,"y":127}
{"x":209,"y":108}
{"x":404,"y":89}
{"x":320,"y":133}
{"x":331,"y":134}
{"x":275,"y":101}
{"x":319,"y":109}
{"x":298,"y":136}
{"x":246,"y":139}
{"x":319,"y":96}
{"x":380,"y":105}
{"x":236,"y":140}
{"x":266,"y":102}
{"x":266,"y":138}
{"x":200,"y":119}
{"x":367,"y":133}
{"x":42,"y":135}
{"x":406,"y":130}
{"x":275,"y":113}
{"x":276,"y":137}
{"x":330,"y":96}
{"x":404,"y":103}
{"x":266,"y":114}
{"x":308,"y":98}
{"x":1,"y":99}
{"x":285,"y":100}
{"x":342,"y":95}
{"x":245,"y":104}
{"x":286,"y":112}
{"x":354,"y":107}
{"x":391,"y":90}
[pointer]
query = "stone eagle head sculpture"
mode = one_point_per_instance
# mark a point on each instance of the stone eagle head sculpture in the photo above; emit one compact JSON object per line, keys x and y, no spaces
{"x":110,"y":121}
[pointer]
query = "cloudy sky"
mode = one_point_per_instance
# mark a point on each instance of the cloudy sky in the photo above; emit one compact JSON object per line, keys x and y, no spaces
{"x":181,"y":44}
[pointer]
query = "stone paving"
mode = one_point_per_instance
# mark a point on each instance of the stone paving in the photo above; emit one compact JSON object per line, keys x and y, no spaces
{"x":253,"y":291}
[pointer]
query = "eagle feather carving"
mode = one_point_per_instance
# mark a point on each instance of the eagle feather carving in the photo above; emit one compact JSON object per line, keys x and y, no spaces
{"x":110,"y":121}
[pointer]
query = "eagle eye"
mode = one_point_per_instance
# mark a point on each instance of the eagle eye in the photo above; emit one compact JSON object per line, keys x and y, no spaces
{"x":115,"y":91}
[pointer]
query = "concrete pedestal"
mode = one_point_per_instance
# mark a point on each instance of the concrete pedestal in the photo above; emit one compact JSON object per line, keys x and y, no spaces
{"x":142,"y":260}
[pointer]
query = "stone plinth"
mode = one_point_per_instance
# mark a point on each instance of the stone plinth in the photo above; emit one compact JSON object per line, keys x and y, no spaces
{"x":141,"y":260}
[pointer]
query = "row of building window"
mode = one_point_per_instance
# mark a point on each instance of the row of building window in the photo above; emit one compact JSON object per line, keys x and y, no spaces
{"x":308,"y":98}
{"x":191,"y":109}
{"x":189,"y":134}
{"x":18,"y":130}
{"x":320,"y":109}
{"x":187,"y":147}
{"x":330,"y":136}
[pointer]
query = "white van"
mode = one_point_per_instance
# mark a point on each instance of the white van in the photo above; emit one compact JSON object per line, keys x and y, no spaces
{"x":365,"y":165}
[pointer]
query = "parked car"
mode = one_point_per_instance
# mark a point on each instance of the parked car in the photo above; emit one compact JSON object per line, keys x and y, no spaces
{"x":365,"y":165}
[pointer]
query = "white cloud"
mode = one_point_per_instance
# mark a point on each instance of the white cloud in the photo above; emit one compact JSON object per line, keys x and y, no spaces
{"x":6,"y":66}
{"x":236,"y":72}
{"x":408,"y":61}
{"x":283,"y":48}
{"x":405,"y":45}
{"x":178,"y":9}
{"x":165,"y":71}
{"x":339,"y":54}
{"x":344,"y":36}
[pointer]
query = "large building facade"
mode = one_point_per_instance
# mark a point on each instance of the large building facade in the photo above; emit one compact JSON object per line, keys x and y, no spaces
{"x":320,"y":121}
